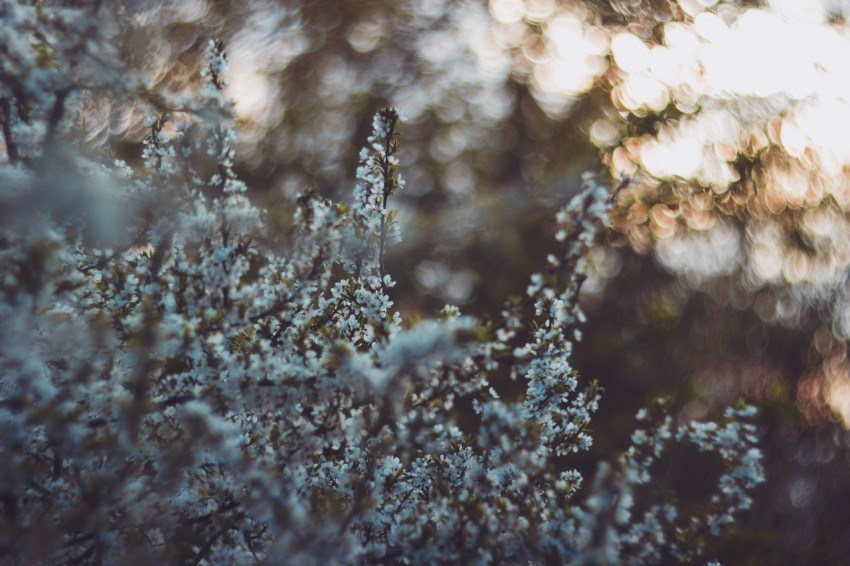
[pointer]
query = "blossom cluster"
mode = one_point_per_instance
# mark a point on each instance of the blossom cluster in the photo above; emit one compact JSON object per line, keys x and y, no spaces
{"x":176,"y":389}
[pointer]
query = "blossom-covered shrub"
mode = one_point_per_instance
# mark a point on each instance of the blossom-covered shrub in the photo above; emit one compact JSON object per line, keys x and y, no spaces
{"x":173,"y":391}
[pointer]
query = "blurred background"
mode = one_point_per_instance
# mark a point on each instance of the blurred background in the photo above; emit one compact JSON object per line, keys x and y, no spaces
{"x":726,"y":274}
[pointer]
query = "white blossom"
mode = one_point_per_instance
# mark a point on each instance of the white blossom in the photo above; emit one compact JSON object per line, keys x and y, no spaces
{"x":171,"y":390}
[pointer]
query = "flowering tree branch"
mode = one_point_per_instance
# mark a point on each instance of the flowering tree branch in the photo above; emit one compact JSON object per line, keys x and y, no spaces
{"x":171,"y":391}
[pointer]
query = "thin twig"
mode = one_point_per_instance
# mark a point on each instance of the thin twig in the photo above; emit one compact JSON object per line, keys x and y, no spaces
{"x":8,"y":138}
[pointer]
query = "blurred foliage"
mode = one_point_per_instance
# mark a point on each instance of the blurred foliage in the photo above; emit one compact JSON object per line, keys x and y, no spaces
{"x":727,"y":273}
